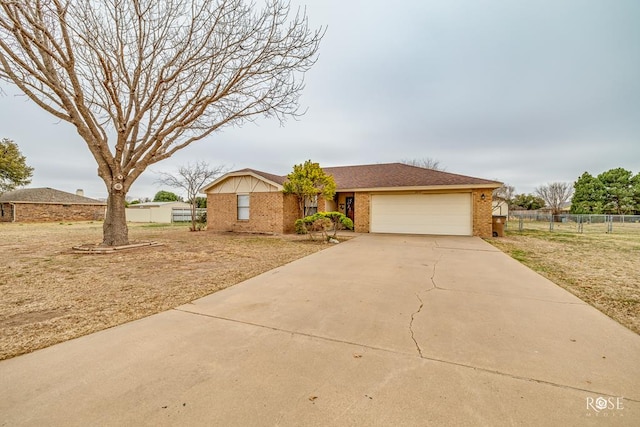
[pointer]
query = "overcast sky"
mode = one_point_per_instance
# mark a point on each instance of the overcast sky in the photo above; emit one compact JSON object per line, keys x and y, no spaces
{"x":525,"y":92}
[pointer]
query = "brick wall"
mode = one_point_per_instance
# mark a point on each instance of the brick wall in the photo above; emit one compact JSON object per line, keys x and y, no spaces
{"x":221,"y":211}
{"x":266,"y":213}
{"x":322,"y":204}
{"x":361,"y":212}
{"x":275,"y":212}
{"x":482,"y":211}
{"x":6,"y":212}
{"x":290,"y":212}
{"x":36,"y":212}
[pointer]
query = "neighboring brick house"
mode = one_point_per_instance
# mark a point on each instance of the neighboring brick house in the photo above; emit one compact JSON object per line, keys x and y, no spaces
{"x":381,"y":198}
{"x":47,"y":204}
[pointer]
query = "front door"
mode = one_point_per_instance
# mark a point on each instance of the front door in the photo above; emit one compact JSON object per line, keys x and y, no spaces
{"x":349,"y":207}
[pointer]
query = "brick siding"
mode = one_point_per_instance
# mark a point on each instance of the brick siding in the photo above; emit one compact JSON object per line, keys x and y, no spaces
{"x":482,"y":211}
{"x":361,"y":207}
{"x":290,"y":213}
{"x":41,"y":212}
{"x":275,"y":212}
{"x":269,"y":212}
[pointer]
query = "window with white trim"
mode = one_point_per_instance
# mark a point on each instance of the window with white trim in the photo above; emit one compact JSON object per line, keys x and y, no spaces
{"x":243,"y":207}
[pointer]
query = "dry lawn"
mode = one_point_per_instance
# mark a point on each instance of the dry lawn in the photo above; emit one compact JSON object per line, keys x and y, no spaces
{"x":49,"y":294}
{"x":601,"y":269}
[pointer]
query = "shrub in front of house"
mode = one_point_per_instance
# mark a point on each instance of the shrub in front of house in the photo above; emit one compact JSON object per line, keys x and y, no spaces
{"x":323,"y":222}
{"x":300,"y":227}
{"x":201,"y":221}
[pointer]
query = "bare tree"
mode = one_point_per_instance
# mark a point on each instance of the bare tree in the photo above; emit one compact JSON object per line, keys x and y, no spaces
{"x":142,"y":79}
{"x":505,"y":192}
{"x":426,"y":162}
{"x":192,"y":178}
{"x":555,"y":195}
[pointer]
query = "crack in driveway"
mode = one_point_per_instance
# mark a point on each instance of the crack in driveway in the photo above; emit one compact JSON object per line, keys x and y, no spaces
{"x":415,"y":313}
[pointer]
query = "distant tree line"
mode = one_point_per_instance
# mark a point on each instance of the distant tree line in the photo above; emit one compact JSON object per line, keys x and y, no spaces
{"x":615,"y":192}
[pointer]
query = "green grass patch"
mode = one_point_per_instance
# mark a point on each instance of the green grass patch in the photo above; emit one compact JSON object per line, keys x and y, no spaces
{"x":519,"y":254}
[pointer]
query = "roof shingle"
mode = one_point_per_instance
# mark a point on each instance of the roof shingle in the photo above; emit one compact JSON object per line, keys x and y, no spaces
{"x":387,"y":175}
{"x":47,"y":195}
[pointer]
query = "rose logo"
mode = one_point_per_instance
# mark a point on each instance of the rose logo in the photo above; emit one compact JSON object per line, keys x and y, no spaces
{"x":601,"y":403}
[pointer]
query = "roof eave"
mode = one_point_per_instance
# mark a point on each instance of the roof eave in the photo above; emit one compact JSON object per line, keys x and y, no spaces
{"x":240,"y":173}
{"x":54,"y":203}
{"x":423,"y":188}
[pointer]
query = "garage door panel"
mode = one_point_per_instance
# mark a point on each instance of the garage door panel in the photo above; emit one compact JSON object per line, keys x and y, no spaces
{"x":446,"y":214}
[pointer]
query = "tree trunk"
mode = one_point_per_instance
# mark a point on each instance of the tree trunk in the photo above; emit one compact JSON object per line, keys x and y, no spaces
{"x":193,"y":214}
{"x":115,"y":230}
{"x":301,"y":207}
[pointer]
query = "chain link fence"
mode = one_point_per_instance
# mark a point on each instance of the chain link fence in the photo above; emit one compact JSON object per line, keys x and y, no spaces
{"x":622,"y":224}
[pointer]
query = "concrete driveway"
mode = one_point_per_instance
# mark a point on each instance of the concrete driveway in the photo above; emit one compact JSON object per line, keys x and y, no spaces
{"x":381,"y":330}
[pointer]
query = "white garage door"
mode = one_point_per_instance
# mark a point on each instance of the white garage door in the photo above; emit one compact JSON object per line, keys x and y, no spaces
{"x":448,"y":214}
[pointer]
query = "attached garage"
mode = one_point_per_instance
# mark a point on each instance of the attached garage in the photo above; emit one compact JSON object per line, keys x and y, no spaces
{"x":380,"y":198}
{"x":443,"y":214}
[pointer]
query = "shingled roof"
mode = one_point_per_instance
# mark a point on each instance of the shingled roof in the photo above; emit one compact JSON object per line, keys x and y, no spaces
{"x":269,"y":176}
{"x":47,"y":195}
{"x":387,"y":175}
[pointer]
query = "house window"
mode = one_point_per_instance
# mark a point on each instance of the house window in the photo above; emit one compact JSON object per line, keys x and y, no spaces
{"x":311,"y":205}
{"x":243,"y":207}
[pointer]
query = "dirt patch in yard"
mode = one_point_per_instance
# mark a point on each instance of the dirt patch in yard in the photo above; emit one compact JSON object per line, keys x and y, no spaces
{"x":49,"y":293}
{"x":601,"y":269}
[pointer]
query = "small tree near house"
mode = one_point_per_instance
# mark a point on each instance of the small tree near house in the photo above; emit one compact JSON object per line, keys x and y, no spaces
{"x":191,"y":178}
{"x":323,"y":222}
{"x":308,"y":182}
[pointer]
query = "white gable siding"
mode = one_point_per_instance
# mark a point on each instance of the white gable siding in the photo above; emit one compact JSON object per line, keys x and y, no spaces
{"x":242,"y":184}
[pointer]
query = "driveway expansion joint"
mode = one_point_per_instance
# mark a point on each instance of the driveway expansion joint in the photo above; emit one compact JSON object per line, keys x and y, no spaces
{"x":422,"y":356}
{"x":291,"y":332}
{"x":437,"y":246}
{"x":528,"y":379}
